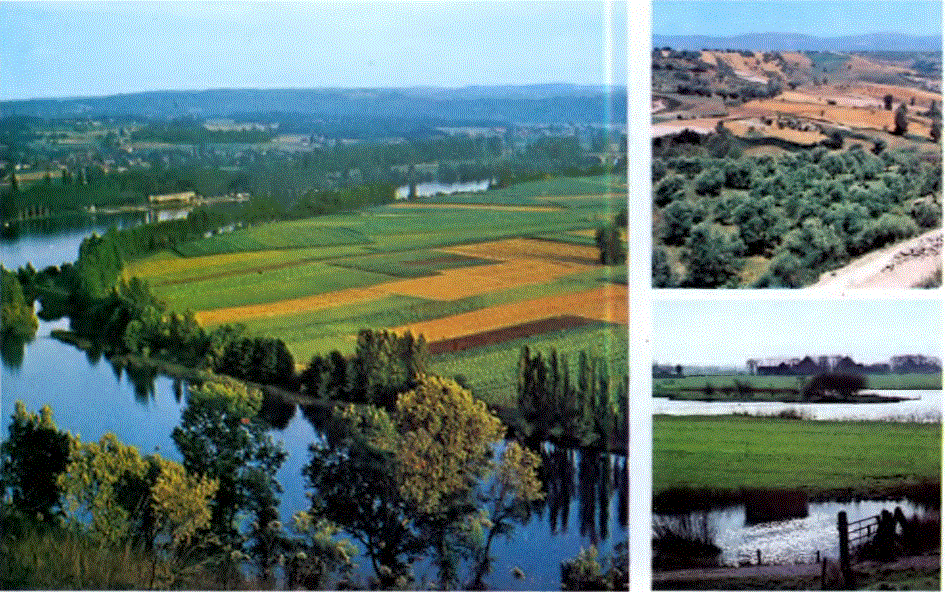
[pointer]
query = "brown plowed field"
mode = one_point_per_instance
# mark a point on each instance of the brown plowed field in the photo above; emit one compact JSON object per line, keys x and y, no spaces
{"x":607,"y":303}
{"x":471,"y":206}
{"x":528,"y":329}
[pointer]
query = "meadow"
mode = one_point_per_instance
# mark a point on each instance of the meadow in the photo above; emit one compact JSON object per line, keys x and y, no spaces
{"x":734,"y":452}
{"x":683,"y":388}
{"x":443,"y":269}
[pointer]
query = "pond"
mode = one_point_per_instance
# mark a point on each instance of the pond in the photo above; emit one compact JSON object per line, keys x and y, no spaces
{"x":90,"y":397}
{"x":797,"y":540}
{"x":924,"y":406}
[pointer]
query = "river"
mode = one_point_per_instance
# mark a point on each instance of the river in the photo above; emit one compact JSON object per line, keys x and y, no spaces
{"x":924,"y":406}
{"x":90,"y":397}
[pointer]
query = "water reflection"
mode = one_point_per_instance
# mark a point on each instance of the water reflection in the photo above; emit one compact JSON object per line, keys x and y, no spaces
{"x":599,"y":476}
{"x":12,"y":350}
{"x":798,"y":540}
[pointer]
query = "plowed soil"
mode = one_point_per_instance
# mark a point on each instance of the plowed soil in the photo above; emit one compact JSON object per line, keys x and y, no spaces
{"x":561,"y":323}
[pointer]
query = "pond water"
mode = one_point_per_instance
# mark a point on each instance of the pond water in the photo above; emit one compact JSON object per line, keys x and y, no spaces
{"x":433,"y":187}
{"x":923,"y":406}
{"x":587,"y":492}
{"x":786,"y":541}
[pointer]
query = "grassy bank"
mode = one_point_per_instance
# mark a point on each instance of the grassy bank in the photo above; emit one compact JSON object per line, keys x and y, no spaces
{"x":728,"y":453}
{"x":694,"y":387}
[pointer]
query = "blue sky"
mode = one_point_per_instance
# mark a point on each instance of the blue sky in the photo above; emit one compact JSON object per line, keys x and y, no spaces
{"x":727,"y":332}
{"x":63,"y":49}
{"x":824,"y":19}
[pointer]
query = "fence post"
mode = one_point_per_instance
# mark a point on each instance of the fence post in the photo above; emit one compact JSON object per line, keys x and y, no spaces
{"x":823,"y":574}
{"x":844,"y":531}
{"x":758,"y":553}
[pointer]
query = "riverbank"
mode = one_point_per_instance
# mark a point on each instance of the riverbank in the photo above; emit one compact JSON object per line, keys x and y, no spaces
{"x":722,"y":455}
{"x":908,"y":573}
{"x":785,"y":389}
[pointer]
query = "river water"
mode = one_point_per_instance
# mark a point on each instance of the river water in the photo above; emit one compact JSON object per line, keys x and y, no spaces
{"x":431,"y":188}
{"x":925,"y":406}
{"x":90,"y":397}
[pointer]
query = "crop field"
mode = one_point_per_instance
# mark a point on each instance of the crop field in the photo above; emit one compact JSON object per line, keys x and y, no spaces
{"x":496,"y":275}
{"x":729,"y":453}
{"x":606,"y":303}
{"x":490,"y":370}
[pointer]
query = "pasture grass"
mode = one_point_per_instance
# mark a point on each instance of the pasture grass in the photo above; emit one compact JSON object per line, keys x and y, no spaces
{"x":292,"y":234}
{"x":735,"y":452}
{"x":677,"y":386}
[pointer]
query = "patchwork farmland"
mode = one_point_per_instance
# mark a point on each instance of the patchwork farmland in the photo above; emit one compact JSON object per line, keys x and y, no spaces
{"x":478,"y":275}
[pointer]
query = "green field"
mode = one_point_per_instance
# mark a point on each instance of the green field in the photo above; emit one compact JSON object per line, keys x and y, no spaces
{"x":681,"y":387}
{"x":284,"y":260}
{"x":497,"y":386}
{"x":732,"y":452}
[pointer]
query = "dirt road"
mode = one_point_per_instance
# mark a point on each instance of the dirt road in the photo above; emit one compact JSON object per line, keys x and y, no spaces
{"x":905,"y":265}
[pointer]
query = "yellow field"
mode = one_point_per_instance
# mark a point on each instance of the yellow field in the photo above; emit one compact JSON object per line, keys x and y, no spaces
{"x":459,"y":206}
{"x":167,"y":264}
{"x":607,"y":303}
{"x":516,"y":248}
{"x":872,"y":118}
{"x":235,"y":314}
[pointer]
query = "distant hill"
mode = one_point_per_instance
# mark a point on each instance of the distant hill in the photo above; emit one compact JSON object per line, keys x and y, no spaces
{"x":543,"y":103}
{"x":799,"y":42}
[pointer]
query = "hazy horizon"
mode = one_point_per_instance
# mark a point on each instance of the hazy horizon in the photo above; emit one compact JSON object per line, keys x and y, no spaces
{"x":727,"y":332}
{"x":93,"y":49}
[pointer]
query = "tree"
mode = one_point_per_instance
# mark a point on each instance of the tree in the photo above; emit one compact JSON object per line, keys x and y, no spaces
{"x":713,"y":257}
{"x":222,"y":437}
{"x":16,"y":315}
{"x":31,"y":460}
{"x":663,"y":274}
{"x":887,"y":102}
{"x":935,"y":130}
{"x":901,"y":120}
{"x":443,"y":450}
{"x":352,"y":476}
{"x":610,"y":245}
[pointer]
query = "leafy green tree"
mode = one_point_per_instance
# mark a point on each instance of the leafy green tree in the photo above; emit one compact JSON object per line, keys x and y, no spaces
{"x":31,"y":459}
{"x":710,"y":181}
{"x":352,"y":476}
{"x":663,"y":274}
{"x":16,"y":315}
{"x":677,"y":220}
{"x":222,"y":437}
{"x":713,"y":257}
{"x":669,"y":189}
{"x":610,"y":245}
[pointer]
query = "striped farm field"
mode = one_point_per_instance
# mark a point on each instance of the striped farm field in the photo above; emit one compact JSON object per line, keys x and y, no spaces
{"x":472,"y":206}
{"x":607,"y":303}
